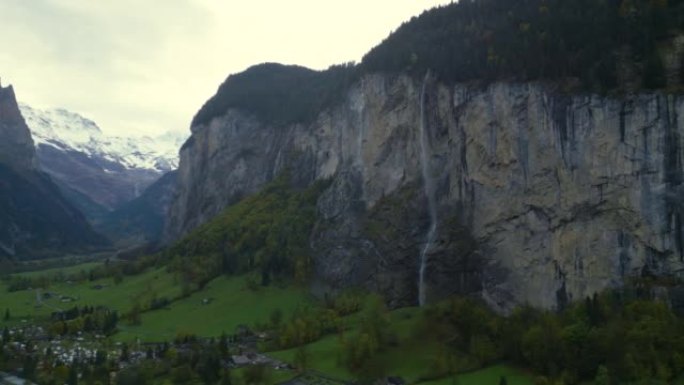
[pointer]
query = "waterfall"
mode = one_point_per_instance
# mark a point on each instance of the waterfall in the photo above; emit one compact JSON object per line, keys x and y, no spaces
{"x":428,"y":185}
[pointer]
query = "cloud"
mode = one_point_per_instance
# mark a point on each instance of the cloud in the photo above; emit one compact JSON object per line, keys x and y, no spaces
{"x":147,"y":66}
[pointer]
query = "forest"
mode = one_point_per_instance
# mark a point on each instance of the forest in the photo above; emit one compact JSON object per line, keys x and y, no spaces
{"x":602,"y":46}
{"x":266,"y":232}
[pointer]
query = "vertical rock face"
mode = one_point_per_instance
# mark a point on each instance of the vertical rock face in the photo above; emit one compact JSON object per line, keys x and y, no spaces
{"x":543,"y":198}
{"x":35,"y":220}
{"x":231,"y":157}
{"x":16,"y":147}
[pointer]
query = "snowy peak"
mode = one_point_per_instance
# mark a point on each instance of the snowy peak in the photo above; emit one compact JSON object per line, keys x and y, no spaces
{"x":97,"y":172}
{"x":68,"y":131}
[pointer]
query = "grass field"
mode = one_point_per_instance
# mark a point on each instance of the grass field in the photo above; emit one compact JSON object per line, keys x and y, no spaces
{"x":140,"y":288}
{"x":487,"y":376}
{"x":272,"y":376}
{"x":404,"y":361}
{"x":231,"y":304}
{"x":323,"y":356}
{"x":410,"y":359}
{"x":60,"y":270}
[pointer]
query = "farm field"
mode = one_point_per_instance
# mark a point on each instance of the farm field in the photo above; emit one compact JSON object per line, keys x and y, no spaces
{"x":40,"y":303}
{"x":74,"y":269}
{"x":490,"y":375}
{"x":223,"y":305}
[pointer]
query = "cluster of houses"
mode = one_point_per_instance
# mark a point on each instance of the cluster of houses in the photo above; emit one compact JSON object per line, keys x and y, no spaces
{"x":73,"y":352}
{"x":34,"y":339}
{"x":50,"y":295}
{"x":28,"y":332}
{"x":79,"y":349}
{"x":84,"y":347}
{"x":254,"y":358}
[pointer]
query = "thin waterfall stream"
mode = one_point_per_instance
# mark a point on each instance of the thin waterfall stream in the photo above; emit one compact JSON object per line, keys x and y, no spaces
{"x":428,"y":185}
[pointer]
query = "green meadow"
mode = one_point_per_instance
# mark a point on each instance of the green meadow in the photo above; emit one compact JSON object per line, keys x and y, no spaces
{"x":409,"y":358}
{"x":74,"y":269}
{"x":40,"y":303}
{"x":487,"y":376}
{"x":410,"y":364}
{"x":223,"y":305}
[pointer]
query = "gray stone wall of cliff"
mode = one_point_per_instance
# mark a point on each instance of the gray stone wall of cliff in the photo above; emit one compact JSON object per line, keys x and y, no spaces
{"x":542,"y":197}
{"x":35,"y":220}
{"x":16,"y":146}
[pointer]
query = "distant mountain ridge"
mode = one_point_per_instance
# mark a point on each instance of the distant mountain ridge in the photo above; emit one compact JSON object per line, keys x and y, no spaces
{"x":108,"y":171}
{"x":35,"y":219}
{"x":141,"y":220}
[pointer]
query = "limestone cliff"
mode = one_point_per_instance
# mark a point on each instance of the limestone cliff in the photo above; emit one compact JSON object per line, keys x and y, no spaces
{"x":541,"y":197}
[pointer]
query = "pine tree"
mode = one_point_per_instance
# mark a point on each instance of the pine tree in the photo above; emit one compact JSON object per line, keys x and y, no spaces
{"x":602,"y":376}
{"x":223,"y":345}
{"x":7,"y":314}
{"x":301,"y":358}
{"x":100,"y":357}
{"x":124,"y":353}
{"x":226,"y":378}
{"x":29,"y":367}
{"x":73,"y":375}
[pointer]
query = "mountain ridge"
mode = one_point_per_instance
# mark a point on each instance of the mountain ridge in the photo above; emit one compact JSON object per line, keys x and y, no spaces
{"x":108,"y":170}
{"x":36,"y":221}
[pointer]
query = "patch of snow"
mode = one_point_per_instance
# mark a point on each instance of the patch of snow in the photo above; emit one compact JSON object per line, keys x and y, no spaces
{"x":68,"y":131}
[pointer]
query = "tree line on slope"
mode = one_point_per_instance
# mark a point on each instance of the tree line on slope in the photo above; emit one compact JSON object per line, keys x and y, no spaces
{"x":585,"y":45}
{"x":267,"y":232}
{"x":526,"y":40}
{"x":278,"y":94}
{"x":608,"y":339}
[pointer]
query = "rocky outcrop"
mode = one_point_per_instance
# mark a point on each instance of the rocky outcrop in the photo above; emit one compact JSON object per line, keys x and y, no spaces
{"x":35,"y":219}
{"x":542,"y":197}
{"x":16,"y":146}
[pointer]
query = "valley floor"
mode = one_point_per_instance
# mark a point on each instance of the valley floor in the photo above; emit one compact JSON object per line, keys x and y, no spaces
{"x":225,"y":305}
{"x":158,"y":315}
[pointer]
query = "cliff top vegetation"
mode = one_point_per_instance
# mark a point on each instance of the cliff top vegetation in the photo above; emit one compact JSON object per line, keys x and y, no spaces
{"x":587,"y":45}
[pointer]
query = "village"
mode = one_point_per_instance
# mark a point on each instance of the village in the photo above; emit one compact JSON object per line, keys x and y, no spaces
{"x":33,"y":344}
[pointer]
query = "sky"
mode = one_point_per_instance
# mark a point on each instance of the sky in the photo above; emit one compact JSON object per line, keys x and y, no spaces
{"x":144,"y":67}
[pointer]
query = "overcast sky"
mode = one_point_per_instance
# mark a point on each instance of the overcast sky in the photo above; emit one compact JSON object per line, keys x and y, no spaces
{"x":146,"y":66}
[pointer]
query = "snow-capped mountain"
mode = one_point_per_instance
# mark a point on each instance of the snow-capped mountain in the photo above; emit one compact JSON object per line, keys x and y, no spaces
{"x":98,"y":172}
{"x":69,"y":131}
